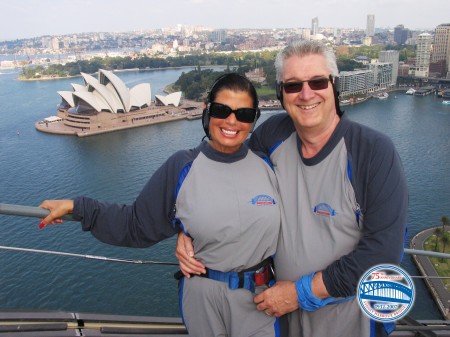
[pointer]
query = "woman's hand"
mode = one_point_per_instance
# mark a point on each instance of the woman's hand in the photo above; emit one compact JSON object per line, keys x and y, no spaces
{"x":57,"y":209}
{"x":185,"y":255}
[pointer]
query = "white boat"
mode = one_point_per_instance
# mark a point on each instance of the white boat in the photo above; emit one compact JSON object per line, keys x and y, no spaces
{"x":382,"y":95}
{"x":446,"y":102}
{"x":410,"y":91}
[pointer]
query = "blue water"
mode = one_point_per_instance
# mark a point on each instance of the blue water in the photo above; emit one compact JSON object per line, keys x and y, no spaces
{"x":35,"y":166}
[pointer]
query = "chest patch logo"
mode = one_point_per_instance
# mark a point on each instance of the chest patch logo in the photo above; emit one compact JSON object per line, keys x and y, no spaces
{"x":324,"y":210}
{"x":263,"y":200}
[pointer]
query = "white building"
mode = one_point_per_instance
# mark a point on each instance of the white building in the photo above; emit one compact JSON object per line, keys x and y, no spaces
{"x":391,"y":56}
{"x":315,"y":26}
{"x":370,"y":28}
{"x":382,"y":75}
{"x":422,"y":66}
{"x":356,"y":82}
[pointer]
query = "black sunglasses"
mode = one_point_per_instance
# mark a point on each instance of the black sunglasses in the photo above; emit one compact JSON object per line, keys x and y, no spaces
{"x":222,"y":111}
{"x":315,"y":84}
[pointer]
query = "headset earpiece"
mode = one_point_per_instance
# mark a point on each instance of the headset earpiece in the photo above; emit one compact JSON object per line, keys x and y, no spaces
{"x":279,"y":92}
{"x":335,"y":84}
{"x":205,"y":122}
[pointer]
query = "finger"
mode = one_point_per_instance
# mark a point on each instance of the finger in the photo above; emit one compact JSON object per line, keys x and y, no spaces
{"x":195,"y":266}
{"x":185,"y":270}
{"x":261,"y":306}
{"x":188,"y":246}
{"x":259,"y":298}
{"x":267,"y":312}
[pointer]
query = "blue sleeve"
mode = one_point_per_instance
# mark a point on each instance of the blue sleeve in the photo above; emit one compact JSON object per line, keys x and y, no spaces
{"x":267,"y":136}
{"x":147,"y":221}
{"x":381,"y":189}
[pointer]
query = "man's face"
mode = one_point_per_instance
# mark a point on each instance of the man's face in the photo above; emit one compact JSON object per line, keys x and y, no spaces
{"x":311,"y":110}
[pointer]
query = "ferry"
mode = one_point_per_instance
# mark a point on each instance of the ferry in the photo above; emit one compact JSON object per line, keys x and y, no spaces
{"x":34,"y":323}
{"x":410,"y":91}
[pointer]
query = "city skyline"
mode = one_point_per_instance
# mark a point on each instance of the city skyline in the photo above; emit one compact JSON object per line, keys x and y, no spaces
{"x":29,"y":18}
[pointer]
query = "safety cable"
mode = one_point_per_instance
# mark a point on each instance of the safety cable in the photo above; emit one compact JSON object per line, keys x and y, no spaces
{"x":87,"y":256}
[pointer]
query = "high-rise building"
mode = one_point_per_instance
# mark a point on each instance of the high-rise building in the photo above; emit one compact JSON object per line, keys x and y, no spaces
{"x":315,"y":26}
{"x":55,"y":43}
{"x":356,"y":82}
{"x":401,"y":35}
{"x":218,"y":35}
{"x":382,"y":74}
{"x":423,"y":52}
{"x":441,"y":49}
{"x":370,"y":29}
{"x":391,"y":56}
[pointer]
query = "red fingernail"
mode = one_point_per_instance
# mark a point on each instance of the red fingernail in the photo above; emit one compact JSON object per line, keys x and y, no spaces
{"x":42,"y":224}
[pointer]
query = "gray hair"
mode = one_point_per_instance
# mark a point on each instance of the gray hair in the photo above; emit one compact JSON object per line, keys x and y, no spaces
{"x":304,"y":48}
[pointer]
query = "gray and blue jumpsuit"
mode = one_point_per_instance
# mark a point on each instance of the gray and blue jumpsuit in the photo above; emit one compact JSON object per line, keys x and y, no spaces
{"x":228,"y":204}
{"x":344,"y":211}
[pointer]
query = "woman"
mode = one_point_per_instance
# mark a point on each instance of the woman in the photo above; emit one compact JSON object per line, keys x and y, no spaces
{"x":222,"y":195}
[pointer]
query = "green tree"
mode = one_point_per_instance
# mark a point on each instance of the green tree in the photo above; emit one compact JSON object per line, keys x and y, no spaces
{"x":444,"y":222}
{"x":445,"y":240}
{"x":437,"y":233}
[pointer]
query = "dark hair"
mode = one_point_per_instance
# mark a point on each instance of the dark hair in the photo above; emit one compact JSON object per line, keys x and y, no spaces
{"x":233,"y":82}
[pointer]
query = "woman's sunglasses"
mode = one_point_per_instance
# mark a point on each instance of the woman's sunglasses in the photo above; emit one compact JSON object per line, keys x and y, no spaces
{"x":315,"y":84}
{"x":222,"y":111}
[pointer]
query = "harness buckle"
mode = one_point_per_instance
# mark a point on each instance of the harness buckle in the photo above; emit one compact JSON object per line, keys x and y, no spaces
{"x":262,"y":276}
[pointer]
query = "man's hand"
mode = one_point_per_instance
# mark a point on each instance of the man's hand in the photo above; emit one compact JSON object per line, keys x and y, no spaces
{"x":278,"y":300}
{"x":185,"y":255}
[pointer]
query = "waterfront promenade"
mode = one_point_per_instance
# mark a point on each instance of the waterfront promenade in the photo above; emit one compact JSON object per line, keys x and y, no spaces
{"x":426,"y":268}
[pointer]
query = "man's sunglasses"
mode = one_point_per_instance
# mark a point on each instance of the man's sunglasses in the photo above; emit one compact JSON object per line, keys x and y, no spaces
{"x":222,"y":111}
{"x":315,"y":84}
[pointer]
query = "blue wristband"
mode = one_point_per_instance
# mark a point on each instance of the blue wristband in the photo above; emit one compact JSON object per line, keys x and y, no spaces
{"x":306,"y":298}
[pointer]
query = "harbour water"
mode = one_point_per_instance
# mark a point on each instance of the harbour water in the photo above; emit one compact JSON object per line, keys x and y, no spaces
{"x":35,"y":166}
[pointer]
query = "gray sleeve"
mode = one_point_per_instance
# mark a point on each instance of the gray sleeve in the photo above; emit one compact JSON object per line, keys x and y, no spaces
{"x":381,"y":189}
{"x":145,"y":222}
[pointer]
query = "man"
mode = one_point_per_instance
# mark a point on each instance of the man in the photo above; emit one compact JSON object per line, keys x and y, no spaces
{"x":344,"y":198}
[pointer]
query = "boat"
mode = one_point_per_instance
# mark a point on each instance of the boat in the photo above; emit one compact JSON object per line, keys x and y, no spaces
{"x":446,"y":102}
{"x":382,"y":95}
{"x":410,"y":91}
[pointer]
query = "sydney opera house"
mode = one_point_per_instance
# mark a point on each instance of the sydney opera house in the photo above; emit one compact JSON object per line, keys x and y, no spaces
{"x":106,"y":104}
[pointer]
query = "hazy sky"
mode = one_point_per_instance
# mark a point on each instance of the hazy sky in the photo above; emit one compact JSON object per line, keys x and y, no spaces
{"x":30,"y":18}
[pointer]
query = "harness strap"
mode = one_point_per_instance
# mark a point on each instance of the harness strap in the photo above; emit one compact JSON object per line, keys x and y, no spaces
{"x":247,"y":279}
{"x":262,"y":273}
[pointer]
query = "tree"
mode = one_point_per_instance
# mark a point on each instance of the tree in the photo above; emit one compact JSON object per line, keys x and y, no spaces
{"x":444,"y":222}
{"x":445,"y":241}
{"x":437,"y":233}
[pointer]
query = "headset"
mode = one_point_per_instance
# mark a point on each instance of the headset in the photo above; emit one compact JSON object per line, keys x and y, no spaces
{"x":205,"y":115}
{"x":334,"y":83}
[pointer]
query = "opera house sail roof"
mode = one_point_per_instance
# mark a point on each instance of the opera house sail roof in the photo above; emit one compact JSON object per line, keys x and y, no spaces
{"x":108,"y":93}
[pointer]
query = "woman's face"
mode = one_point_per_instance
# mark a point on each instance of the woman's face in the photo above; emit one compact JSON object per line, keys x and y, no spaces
{"x":227,"y":135}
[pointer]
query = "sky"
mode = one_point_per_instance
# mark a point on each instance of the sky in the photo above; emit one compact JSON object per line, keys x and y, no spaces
{"x":33,"y":18}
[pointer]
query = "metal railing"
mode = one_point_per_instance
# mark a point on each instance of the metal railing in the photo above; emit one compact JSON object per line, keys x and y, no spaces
{"x":405,"y":326}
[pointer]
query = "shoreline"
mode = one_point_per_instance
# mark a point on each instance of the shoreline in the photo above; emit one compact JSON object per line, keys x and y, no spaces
{"x":55,"y":78}
{"x":439,"y":293}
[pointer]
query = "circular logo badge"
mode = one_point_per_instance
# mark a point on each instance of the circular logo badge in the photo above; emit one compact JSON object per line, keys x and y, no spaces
{"x":386,"y":293}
